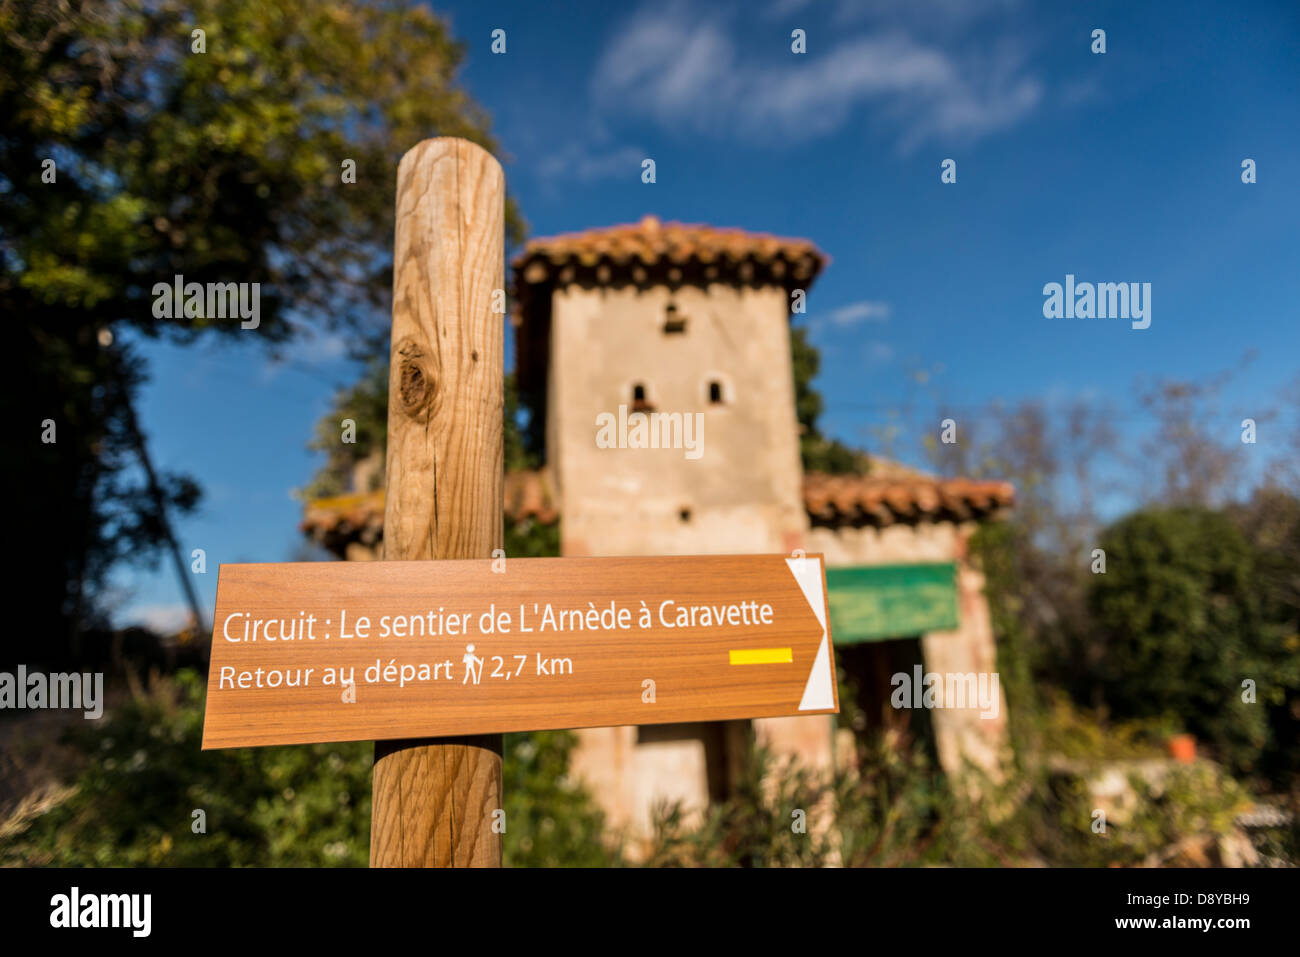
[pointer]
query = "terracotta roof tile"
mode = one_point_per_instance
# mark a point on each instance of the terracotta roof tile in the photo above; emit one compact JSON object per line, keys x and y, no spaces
{"x":890,"y":495}
{"x":676,"y":248}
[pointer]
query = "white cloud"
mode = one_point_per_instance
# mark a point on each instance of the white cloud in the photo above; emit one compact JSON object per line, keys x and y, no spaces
{"x":851,"y":314}
{"x":862,"y":311}
{"x":684,"y":70}
{"x":586,"y":164}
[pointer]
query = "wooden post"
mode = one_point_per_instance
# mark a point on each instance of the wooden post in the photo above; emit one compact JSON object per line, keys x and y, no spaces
{"x":434,"y":799}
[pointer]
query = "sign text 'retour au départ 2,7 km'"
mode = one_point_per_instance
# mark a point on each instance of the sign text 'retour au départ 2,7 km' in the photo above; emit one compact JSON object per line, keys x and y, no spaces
{"x":344,"y":651}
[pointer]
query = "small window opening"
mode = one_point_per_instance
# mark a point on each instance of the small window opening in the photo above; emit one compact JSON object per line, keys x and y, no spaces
{"x":684,"y":514}
{"x":715,"y":392}
{"x":674,"y":321}
{"x":639,"y":401}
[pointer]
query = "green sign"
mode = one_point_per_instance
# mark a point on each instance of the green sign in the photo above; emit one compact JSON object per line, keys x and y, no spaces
{"x":876,"y":602}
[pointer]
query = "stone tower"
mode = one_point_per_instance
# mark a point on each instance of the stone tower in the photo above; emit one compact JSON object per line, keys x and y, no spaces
{"x":690,"y":326}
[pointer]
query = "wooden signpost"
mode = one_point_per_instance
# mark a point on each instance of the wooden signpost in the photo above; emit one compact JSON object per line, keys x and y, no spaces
{"x":359,"y":651}
{"x":438,"y":650}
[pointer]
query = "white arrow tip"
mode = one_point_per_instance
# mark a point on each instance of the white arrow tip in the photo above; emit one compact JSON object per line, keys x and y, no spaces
{"x":819,"y":692}
{"x":818,"y":695}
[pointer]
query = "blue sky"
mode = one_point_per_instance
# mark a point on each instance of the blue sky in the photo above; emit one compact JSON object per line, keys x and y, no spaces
{"x":1123,"y":166}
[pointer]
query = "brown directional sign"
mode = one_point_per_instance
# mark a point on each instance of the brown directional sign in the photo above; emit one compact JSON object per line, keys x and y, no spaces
{"x":334,"y":651}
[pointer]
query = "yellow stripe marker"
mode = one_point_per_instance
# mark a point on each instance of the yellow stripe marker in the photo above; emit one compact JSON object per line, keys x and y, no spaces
{"x":761,"y":656}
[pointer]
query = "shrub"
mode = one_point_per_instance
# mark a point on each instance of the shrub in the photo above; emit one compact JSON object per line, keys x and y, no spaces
{"x":898,"y":810}
{"x":551,"y":821}
{"x":1179,"y":610}
{"x":142,"y":775}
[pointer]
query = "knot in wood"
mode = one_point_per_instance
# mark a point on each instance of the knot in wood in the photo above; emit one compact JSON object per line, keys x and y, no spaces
{"x":414,"y":384}
{"x":413,"y":387}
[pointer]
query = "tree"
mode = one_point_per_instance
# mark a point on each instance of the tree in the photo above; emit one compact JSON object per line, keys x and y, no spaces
{"x":1058,"y":460}
{"x":1192,"y":458}
{"x":132,"y":154}
{"x":1180,"y":613}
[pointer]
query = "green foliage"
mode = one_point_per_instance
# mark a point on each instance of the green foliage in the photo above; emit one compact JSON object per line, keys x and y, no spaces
{"x":886,"y":813}
{"x":996,"y":550}
{"x":754,"y":828}
{"x":530,"y":539}
{"x":224,"y":165}
{"x":819,"y":453}
{"x":1179,"y":609}
{"x":895,"y":810}
{"x":806,"y":362}
{"x":221,"y":166}
{"x":1181,"y":803}
{"x":551,"y":821}
{"x":144,"y":774}
{"x":898,"y":810}
{"x":1076,"y":733}
{"x":1271,"y":521}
